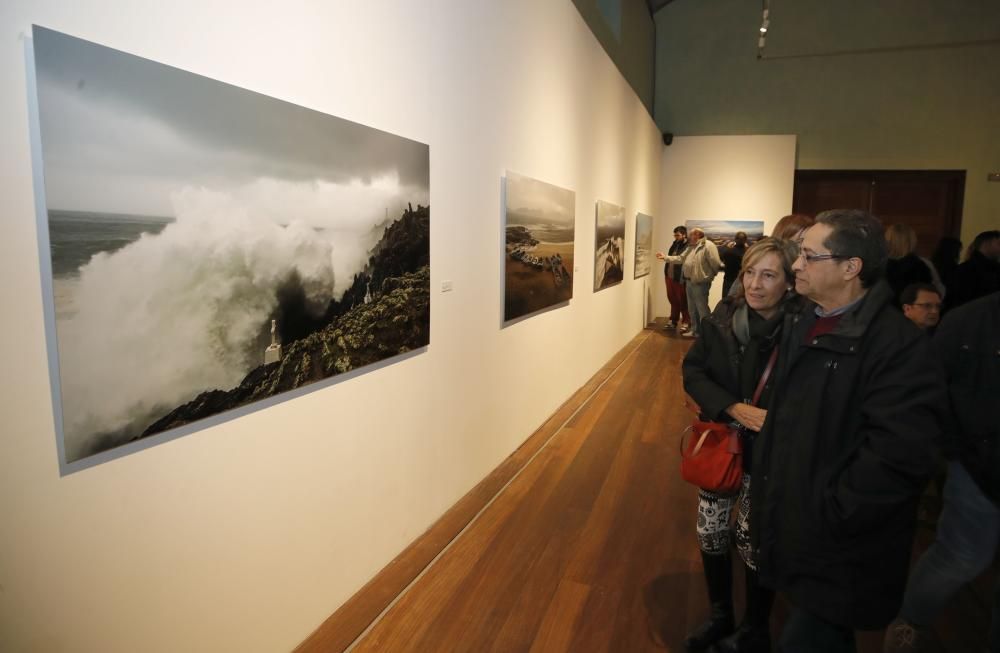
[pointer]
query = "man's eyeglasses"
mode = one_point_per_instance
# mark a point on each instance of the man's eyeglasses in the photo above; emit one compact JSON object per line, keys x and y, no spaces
{"x":927,"y":306}
{"x":810,"y":257}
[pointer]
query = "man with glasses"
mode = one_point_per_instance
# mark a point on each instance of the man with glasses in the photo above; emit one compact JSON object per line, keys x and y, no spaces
{"x":921,"y":305}
{"x":848,"y":443}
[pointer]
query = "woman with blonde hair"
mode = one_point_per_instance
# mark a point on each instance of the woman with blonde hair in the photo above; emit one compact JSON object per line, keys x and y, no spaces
{"x":721,"y":373}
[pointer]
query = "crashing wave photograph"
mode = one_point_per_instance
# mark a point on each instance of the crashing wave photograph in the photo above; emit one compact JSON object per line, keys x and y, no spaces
{"x":211,"y":246}
{"x":609,"y":245}
{"x":643,"y":245}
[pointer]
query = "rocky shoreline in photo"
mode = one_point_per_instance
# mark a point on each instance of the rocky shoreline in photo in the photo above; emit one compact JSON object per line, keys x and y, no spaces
{"x":385,"y":312}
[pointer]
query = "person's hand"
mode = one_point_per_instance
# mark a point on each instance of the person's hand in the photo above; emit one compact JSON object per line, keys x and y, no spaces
{"x":747,"y":415}
{"x":660,"y":255}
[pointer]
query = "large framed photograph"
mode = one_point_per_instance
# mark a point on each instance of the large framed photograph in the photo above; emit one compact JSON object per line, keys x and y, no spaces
{"x":211,"y":247}
{"x":723,"y":232}
{"x":643,"y":245}
{"x":609,"y":245}
{"x":539,"y":231}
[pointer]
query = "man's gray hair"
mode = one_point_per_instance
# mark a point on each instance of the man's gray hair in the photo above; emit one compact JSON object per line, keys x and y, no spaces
{"x":857,"y":234}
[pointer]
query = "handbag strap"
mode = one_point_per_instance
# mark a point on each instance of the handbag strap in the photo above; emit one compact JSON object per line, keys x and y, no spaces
{"x":733,"y":442}
{"x":701,"y":441}
{"x":764,"y":377}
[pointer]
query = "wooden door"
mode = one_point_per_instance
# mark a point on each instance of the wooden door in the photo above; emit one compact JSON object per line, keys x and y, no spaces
{"x":929,"y":201}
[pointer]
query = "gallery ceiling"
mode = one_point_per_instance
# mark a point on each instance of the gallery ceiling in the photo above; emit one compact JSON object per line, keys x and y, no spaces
{"x":656,"y":5}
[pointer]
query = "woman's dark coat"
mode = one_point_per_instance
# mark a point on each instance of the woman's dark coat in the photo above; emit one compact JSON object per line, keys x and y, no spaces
{"x":719,"y":371}
{"x":849,"y":442}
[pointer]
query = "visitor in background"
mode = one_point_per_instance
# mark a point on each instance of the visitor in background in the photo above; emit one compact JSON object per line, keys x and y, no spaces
{"x":968,"y":531}
{"x":791,"y":227}
{"x":945,"y":259}
{"x":721,"y":374}
{"x":921,"y":304}
{"x":904,"y":266}
{"x":732,"y":258}
{"x":979,"y":274}
{"x":676,"y":294}
{"x":700,"y":263}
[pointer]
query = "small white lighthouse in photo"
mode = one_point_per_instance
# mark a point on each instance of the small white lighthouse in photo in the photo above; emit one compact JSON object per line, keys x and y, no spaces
{"x":273,"y":352}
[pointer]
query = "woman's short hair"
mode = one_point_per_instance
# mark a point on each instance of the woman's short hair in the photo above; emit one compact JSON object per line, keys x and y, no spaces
{"x":786,"y":251}
{"x":900,"y":240}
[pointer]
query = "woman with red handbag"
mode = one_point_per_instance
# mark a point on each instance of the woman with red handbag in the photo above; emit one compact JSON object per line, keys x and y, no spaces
{"x":726,"y":372}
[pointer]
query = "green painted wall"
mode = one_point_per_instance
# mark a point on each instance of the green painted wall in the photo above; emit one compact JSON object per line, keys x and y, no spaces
{"x":633,"y":53}
{"x":909,"y":108}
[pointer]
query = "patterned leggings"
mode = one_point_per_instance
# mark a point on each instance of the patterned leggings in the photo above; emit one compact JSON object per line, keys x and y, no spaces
{"x":714,"y":512}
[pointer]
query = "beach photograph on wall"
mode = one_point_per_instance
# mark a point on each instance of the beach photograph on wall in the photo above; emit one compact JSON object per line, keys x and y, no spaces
{"x":609,"y":245}
{"x":723,"y":232}
{"x":539,"y":228}
{"x":643,"y":244}
{"x":212,"y":247}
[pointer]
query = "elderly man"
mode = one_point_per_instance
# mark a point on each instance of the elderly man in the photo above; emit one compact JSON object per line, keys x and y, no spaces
{"x":848,"y":443}
{"x":700,"y":263}
{"x":921,"y":304}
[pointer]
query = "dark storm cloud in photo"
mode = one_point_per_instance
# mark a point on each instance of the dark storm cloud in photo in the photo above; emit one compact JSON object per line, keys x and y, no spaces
{"x":114,"y":106}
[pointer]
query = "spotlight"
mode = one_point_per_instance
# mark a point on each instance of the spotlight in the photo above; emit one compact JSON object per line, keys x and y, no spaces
{"x":765,"y":22}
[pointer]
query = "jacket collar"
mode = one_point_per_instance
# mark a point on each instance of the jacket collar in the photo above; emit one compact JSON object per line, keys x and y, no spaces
{"x":855,"y":322}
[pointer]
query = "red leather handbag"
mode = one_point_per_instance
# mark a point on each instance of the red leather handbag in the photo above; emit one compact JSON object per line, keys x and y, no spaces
{"x":713,"y":457}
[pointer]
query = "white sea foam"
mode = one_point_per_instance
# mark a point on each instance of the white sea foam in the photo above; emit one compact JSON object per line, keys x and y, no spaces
{"x":608,"y":255}
{"x":180,"y":312}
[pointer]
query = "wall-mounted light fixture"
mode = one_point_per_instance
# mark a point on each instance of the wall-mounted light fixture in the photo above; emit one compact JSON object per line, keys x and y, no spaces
{"x":765,"y":22}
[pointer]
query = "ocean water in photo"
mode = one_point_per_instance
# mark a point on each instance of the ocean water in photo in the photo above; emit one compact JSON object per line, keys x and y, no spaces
{"x":77,"y":236}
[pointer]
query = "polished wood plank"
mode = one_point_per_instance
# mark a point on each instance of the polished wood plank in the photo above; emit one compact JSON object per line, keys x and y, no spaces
{"x":353,"y":617}
{"x":572,"y":526}
{"x":561,"y":618}
{"x":592,"y":546}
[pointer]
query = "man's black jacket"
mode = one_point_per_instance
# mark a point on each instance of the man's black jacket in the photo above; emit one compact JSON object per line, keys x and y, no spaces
{"x":849,"y":442}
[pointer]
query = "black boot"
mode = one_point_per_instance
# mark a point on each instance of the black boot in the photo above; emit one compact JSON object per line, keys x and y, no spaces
{"x":719,"y":578}
{"x":754,"y":634}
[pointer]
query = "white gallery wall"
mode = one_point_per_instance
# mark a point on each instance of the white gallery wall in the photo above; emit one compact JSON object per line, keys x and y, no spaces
{"x":721,"y":178}
{"x":245,"y":536}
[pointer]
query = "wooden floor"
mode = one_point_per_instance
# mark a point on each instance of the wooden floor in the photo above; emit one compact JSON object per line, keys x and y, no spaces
{"x":591,"y":547}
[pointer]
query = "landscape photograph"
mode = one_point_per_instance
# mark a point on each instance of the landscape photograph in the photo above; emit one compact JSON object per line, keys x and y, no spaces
{"x":609,"y":245}
{"x":539,"y":229}
{"x":723,"y":232}
{"x":211,"y":246}
{"x":643,"y":244}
